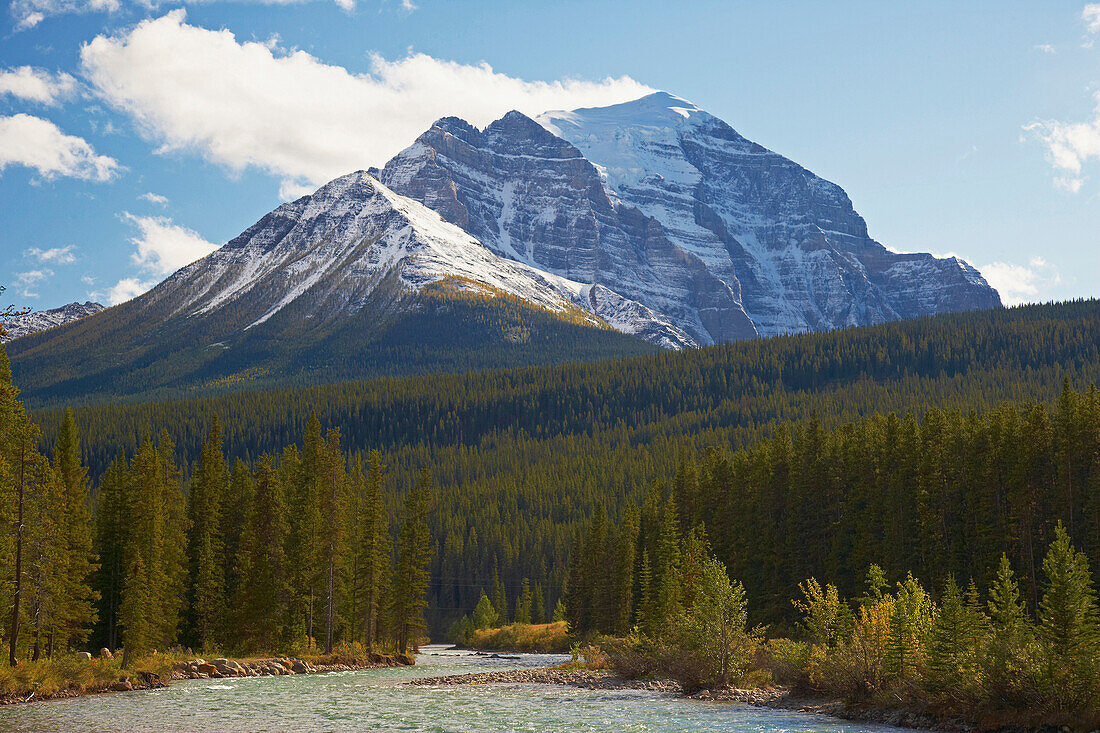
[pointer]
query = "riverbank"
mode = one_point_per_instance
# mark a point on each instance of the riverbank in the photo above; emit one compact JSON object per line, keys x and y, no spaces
{"x":75,"y":677}
{"x":779,"y":698}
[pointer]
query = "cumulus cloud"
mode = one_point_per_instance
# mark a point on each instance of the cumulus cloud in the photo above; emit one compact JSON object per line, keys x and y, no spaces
{"x":160,"y":248}
{"x":36,"y":85}
{"x":28,"y":281}
{"x":127,"y":289}
{"x":154,"y":198}
{"x":1070,"y":145}
{"x":248,"y":104}
{"x":164,"y":247}
{"x":37,"y":143}
{"x":1091,"y":16}
{"x":1021,"y":283}
{"x":57,"y":255}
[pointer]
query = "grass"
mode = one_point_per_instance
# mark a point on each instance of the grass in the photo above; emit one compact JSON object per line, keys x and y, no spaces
{"x":552,"y":638}
{"x":69,"y":675}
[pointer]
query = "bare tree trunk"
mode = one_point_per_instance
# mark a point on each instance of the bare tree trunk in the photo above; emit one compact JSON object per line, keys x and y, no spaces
{"x":330,"y":609}
{"x":309,"y":630}
{"x":14,"y":640}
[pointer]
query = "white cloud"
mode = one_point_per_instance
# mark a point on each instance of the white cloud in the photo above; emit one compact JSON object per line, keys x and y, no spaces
{"x":1091,"y":16}
{"x":164,"y":247}
{"x":247,"y":104}
{"x":161,"y":248}
{"x":36,"y":85}
{"x":1021,"y":283}
{"x":127,"y":289}
{"x":154,"y":198}
{"x":1069,"y":184}
{"x":29,"y":13}
{"x":58,"y":255}
{"x":1045,"y":48}
{"x":29,"y":281}
{"x":1070,"y":145}
{"x":37,"y":143}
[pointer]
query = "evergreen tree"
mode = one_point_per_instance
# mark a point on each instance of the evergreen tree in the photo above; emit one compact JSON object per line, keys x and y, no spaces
{"x":263,"y":595}
{"x":76,"y":612}
{"x":410,"y":579}
{"x":523,"y":603}
{"x":485,"y":616}
{"x":1067,"y":621}
{"x":206,"y":549}
{"x":954,"y":644}
{"x":112,"y":522}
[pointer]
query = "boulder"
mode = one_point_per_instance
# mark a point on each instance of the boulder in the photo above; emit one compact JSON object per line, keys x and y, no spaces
{"x":123,"y":685}
{"x":105,"y":653}
{"x":206,"y":668}
{"x":299,"y":667}
{"x":84,"y":656}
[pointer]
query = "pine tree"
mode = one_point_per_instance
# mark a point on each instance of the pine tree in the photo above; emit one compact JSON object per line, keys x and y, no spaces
{"x":332,"y":512}
{"x":1068,"y":627}
{"x":523,"y":603}
{"x":263,"y":595}
{"x":1011,"y":634}
{"x":302,"y":482}
{"x":112,"y":520}
{"x":410,"y":578}
{"x":538,"y":605}
{"x":954,"y":644}
{"x":206,"y":548}
{"x":485,"y":616}
{"x":76,"y":613}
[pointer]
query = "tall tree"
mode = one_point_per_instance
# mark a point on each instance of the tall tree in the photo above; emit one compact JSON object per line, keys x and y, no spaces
{"x":76,"y":611}
{"x":206,"y":549}
{"x":410,"y":578}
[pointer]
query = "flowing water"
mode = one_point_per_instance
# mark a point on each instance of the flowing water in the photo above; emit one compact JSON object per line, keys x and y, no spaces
{"x":375,"y":700}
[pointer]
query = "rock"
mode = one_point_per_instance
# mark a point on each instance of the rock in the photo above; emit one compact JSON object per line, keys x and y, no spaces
{"x":123,"y":685}
{"x":105,"y":653}
{"x":299,"y":667}
{"x":84,"y":656}
{"x":207,"y":668}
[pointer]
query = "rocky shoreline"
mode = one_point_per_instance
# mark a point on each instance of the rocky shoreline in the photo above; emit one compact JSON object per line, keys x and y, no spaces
{"x":780,"y":698}
{"x":221,"y":668}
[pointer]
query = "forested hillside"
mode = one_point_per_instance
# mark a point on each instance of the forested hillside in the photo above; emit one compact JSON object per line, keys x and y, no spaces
{"x":131,"y":352}
{"x":521,"y":457}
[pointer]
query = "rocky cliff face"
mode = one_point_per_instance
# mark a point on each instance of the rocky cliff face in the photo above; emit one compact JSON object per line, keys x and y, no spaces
{"x":532,"y":197}
{"x":789,"y":242}
{"x":41,"y":320}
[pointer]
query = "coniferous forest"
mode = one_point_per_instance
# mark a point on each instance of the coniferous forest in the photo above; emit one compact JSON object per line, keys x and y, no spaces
{"x":349,"y":513}
{"x":279,"y":554}
{"x":522,"y":457}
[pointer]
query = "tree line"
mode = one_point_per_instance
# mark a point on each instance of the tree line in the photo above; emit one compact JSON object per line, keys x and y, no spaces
{"x":521,"y":457}
{"x":278,"y":554}
{"x":946,"y":495}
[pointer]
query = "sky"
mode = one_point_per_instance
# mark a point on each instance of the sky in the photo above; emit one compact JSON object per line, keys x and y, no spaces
{"x":135,"y":137}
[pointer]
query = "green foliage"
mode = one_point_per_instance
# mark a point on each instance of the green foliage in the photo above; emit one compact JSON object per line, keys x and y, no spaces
{"x":485,"y":616}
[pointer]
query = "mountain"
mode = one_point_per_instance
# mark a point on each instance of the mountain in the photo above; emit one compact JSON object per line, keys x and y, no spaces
{"x":353,"y":280}
{"x":574,"y":236}
{"x":788,"y":242}
{"x":41,"y":320}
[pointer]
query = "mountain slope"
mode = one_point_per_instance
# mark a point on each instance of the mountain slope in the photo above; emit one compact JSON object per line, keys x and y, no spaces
{"x":788,"y":241}
{"x":29,"y":323}
{"x":351,"y":281}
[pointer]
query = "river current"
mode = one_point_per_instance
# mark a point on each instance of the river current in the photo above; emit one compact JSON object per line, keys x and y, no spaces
{"x":375,"y":700}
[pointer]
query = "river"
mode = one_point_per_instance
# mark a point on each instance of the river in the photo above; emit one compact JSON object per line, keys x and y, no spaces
{"x":375,"y":700}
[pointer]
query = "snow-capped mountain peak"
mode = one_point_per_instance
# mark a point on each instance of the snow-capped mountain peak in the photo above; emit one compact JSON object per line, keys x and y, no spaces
{"x":42,"y":320}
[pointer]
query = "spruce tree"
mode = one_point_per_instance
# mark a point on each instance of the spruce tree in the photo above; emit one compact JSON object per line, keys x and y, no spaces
{"x":1068,"y":628}
{"x":263,"y":594}
{"x":206,"y":548}
{"x":523,"y":603}
{"x":76,"y":612}
{"x":410,"y":578}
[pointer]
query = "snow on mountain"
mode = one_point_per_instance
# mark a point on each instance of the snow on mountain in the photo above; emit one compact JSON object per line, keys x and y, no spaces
{"x":41,"y":320}
{"x":532,"y":197}
{"x":789,"y":242}
{"x":352,"y":242}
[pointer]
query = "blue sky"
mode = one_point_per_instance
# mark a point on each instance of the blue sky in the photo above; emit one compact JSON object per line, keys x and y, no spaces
{"x":134,"y":136}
